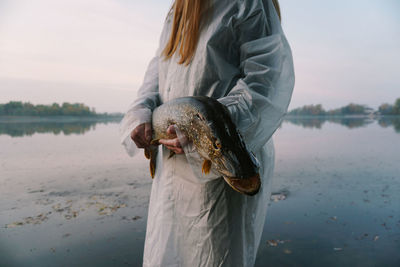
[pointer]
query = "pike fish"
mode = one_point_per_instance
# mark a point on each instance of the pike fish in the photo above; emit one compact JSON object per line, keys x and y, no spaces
{"x":208,"y":125}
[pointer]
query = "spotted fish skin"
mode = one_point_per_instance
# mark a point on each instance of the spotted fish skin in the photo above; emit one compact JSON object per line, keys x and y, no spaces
{"x":208,"y":124}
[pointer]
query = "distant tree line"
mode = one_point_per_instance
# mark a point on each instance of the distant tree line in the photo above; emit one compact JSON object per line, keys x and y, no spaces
{"x":387,"y":109}
{"x":350,"y":109}
{"x":309,"y":110}
{"x":17,"y":108}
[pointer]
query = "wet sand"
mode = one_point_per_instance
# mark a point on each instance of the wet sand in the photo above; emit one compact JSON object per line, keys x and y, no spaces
{"x":89,"y":216}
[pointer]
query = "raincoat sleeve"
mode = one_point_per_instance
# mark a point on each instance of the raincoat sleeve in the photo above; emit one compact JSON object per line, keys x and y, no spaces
{"x":261,"y":96}
{"x":140,"y":111}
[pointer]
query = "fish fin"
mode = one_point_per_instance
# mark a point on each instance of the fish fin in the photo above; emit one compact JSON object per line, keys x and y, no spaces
{"x":206,"y":166}
{"x":147,"y":153}
{"x":152,"y":168}
{"x":171,"y":154}
{"x":154,"y":142}
{"x":153,"y":156}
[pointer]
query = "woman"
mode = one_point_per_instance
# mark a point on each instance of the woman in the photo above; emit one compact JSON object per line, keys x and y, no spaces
{"x":234,"y":51}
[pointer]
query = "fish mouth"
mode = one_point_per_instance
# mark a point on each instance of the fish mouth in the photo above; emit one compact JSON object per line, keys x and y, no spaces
{"x":248,"y":186}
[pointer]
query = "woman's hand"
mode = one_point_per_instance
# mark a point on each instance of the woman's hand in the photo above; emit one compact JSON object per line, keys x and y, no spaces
{"x":141,"y":135}
{"x":172,"y":144}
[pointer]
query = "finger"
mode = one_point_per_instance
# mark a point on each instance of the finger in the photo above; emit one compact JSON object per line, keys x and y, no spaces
{"x":183,"y":140}
{"x":179,"y":151}
{"x":137,"y":131}
{"x":171,"y":130}
{"x":170,"y":142}
{"x":137,"y":138}
{"x":176,"y":150}
{"x":140,"y":143}
{"x":148,"y":132}
{"x":170,"y":147}
{"x":135,"y":134}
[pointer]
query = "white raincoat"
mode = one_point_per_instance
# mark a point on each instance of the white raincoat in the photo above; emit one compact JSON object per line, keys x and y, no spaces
{"x":243,"y":60}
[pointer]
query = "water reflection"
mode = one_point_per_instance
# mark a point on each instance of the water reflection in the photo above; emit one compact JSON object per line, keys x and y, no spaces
{"x":351,"y":123}
{"x":67,"y":127}
{"x":19,"y":128}
{"x":307,"y":122}
{"x":390,"y":122}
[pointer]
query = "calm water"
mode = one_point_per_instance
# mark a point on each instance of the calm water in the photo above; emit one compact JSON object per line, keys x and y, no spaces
{"x":70,"y":196}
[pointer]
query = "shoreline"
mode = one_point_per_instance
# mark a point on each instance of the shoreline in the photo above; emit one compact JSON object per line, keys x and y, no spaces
{"x":28,"y":119}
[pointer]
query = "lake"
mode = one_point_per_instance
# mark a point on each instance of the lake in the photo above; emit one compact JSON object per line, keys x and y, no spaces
{"x":70,"y":196}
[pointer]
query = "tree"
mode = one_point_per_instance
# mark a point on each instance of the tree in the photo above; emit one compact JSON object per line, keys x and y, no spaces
{"x":396,"y":107}
{"x":2,"y":112}
{"x":309,"y":110}
{"x":351,"y":109}
{"x":385,"y":109}
{"x":17,"y":108}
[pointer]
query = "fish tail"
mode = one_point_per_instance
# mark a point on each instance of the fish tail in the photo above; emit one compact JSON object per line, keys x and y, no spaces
{"x":153,"y":156}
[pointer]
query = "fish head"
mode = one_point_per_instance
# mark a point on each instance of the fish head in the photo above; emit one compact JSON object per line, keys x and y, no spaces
{"x":230,"y":154}
{"x":222,"y":144}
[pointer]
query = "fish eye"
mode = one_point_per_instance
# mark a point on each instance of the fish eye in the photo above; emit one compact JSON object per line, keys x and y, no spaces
{"x":199,"y":116}
{"x":217,"y":144}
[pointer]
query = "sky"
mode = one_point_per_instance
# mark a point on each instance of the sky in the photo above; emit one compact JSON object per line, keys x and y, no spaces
{"x":96,"y":51}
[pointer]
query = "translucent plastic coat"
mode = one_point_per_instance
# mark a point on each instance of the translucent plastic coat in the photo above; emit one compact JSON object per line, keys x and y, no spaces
{"x":243,"y":60}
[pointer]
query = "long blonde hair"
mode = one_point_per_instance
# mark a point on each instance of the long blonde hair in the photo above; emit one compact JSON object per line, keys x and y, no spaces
{"x":188,"y":15}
